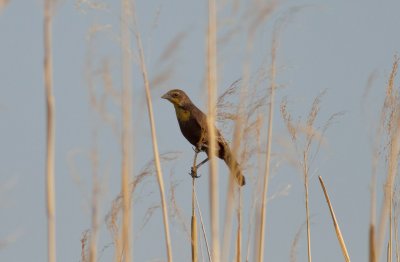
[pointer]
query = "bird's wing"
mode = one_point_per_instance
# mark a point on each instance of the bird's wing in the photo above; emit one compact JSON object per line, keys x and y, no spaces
{"x":201,"y":120}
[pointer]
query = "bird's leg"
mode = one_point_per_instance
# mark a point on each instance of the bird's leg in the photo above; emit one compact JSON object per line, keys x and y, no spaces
{"x":202,"y":163}
{"x":193,"y":170}
{"x":197,"y":150}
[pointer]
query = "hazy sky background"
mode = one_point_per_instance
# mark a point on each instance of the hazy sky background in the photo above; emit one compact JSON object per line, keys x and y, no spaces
{"x":326,"y":45}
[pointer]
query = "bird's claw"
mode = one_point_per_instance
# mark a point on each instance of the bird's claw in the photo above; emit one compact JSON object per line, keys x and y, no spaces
{"x":193,"y":173}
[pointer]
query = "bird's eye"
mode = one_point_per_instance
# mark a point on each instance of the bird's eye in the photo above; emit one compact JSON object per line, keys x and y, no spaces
{"x":174,"y":95}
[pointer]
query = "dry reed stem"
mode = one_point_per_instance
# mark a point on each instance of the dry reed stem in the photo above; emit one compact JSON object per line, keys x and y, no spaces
{"x":371,"y":231}
{"x":95,"y":206}
{"x":227,"y":228}
{"x":50,"y":111}
{"x":154,"y":139}
{"x":238,"y":129}
{"x":194,"y":238}
{"x":239,"y":230}
{"x":396,"y":210}
{"x":202,"y":227}
{"x":389,"y":248}
{"x":372,"y":245}
{"x":268,"y":151}
{"x":237,"y":136}
{"x":211,"y":105}
{"x":193,"y":225}
{"x":126,"y":238}
{"x":305,"y":173}
{"x":335,"y":223}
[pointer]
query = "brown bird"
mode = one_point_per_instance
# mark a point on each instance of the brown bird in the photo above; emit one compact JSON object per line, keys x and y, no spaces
{"x":193,"y":125}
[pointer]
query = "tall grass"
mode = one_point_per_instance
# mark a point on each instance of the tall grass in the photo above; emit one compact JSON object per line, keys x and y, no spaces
{"x":243,"y":127}
{"x":50,"y":111}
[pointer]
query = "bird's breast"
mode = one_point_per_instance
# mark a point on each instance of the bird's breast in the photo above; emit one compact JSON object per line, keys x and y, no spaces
{"x":182,"y":114}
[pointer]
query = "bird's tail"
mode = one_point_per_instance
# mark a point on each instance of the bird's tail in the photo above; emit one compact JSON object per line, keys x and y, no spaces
{"x":235,"y":169}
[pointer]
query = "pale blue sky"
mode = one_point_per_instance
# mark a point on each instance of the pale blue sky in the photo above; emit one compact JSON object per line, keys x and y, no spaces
{"x":328,"y":45}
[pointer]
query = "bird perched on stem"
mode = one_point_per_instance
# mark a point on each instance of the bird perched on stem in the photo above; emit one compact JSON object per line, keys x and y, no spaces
{"x":193,"y":124}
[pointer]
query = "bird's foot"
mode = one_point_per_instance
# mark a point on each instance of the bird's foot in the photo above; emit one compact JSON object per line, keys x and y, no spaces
{"x":193,"y":172}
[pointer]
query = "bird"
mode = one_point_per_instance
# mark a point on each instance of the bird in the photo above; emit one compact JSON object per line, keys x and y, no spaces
{"x":193,"y":124}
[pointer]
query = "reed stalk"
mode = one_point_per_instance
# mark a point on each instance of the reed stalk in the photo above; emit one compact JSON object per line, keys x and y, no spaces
{"x":156,"y":154}
{"x":305,"y":173}
{"x":193,"y":225}
{"x":202,"y":227}
{"x":212,"y":91}
{"x":95,"y":206}
{"x":335,"y":223}
{"x":50,"y":137}
{"x":267,"y":172}
{"x":126,"y":134}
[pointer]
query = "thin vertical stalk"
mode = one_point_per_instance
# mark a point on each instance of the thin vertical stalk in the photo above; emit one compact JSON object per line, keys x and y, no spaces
{"x":390,"y":228}
{"x":126,"y":132}
{"x":154,"y":139}
{"x":95,"y":205}
{"x":268,"y":154}
{"x":335,"y":223}
{"x":194,"y":226}
{"x":212,"y":90}
{"x":202,"y":227}
{"x":305,"y":173}
{"x":239,"y":230}
{"x":372,"y":247}
{"x":50,"y":108}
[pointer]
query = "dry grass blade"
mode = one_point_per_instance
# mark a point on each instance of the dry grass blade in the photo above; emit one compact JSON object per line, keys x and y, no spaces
{"x":154,"y":140}
{"x":335,"y":223}
{"x":50,"y":111}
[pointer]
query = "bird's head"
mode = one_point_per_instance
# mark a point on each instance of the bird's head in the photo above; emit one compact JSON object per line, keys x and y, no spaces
{"x":176,"y":97}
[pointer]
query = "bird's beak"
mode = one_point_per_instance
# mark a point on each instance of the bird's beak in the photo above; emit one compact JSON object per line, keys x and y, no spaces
{"x":165,"y":96}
